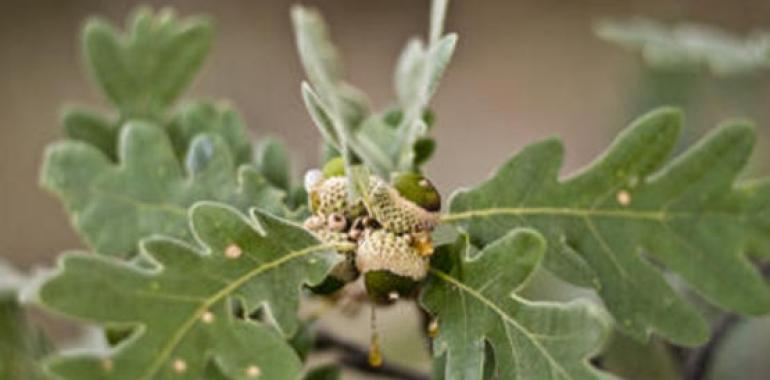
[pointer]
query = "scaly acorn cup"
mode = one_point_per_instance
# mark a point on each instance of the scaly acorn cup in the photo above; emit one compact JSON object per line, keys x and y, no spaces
{"x":391,"y":265}
{"x":396,"y":213}
{"x":328,"y":192}
{"x":391,"y":229}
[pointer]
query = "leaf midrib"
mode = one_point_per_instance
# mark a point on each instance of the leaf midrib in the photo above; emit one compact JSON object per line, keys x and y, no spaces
{"x":216,"y":297}
{"x":504,"y":316}
{"x":659,"y":216}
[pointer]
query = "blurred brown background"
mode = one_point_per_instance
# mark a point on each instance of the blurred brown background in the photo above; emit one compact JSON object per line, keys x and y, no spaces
{"x":523,"y":70}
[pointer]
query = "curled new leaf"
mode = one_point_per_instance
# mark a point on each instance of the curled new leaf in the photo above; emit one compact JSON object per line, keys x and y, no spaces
{"x":180,"y":310}
{"x":476,"y":302}
{"x":615,"y":223}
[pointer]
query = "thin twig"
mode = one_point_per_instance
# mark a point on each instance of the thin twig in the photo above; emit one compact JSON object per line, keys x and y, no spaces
{"x":698,"y":362}
{"x":357,"y":358}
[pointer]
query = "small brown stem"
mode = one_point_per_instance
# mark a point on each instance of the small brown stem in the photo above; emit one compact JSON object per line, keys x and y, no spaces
{"x":355,"y":357}
{"x":698,"y":362}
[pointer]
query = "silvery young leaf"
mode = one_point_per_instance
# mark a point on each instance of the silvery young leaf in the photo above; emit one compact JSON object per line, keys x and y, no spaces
{"x":21,"y":344}
{"x":221,"y":119}
{"x":419,"y":70}
{"x":148,"y":191}
{"x":144,"y":70}
{"x":418,"y":73}
{"x":321,"y":117}
{"x":323,"y":67}
{"x":337,"y":107}
{"x":181,"y":309}
{"x":476,"y":302}
{"x":689,"y":45}
{"x":630,"y":213}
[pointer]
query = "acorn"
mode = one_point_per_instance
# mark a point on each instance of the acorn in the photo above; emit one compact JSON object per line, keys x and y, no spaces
{"x":385,"y":287}
{"x":344,"y":272}
{"x":330,"y":196}
{"x":396,"y":213}
{"x":418,"y":189}
{"x":391,"y":266}
{"x":334,"y":168}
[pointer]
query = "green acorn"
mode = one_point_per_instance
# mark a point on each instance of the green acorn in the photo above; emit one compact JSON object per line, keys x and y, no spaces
{"x":342,"y":273}
{"x":392,"y":267}
{"x":418,"y":189}
{"x":384,"y":287}
{"x":334,"y":168}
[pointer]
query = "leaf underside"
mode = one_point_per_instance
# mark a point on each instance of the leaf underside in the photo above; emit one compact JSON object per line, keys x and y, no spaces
{"x":618,"y":223}
{"x":181,"y":309}
{"x":476,"y":303}
{"x":148,"y":191}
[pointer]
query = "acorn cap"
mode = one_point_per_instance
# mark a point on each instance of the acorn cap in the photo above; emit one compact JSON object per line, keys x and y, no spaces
{"x":383,"y":250}
{"x":396,"y":213}
{"x":418,"y":189}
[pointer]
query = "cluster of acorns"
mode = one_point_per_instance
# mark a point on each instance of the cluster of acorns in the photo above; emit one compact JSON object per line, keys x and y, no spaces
{"x":387,"y":230}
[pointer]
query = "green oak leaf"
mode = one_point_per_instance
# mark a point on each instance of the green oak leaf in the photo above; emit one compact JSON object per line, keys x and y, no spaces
{"x":476,"y":302}
{"x":144,"y":70}
{"x":273,"y":161}
{"x":148,"y":191}
{"x":193,"y":119}
{"x":629,"y":214}
{"x":22,"y":345}
{"x":87,"y":125}
{"x":324,"y":372}
{"x":633,"y":360}
{"x":181,"y":308}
